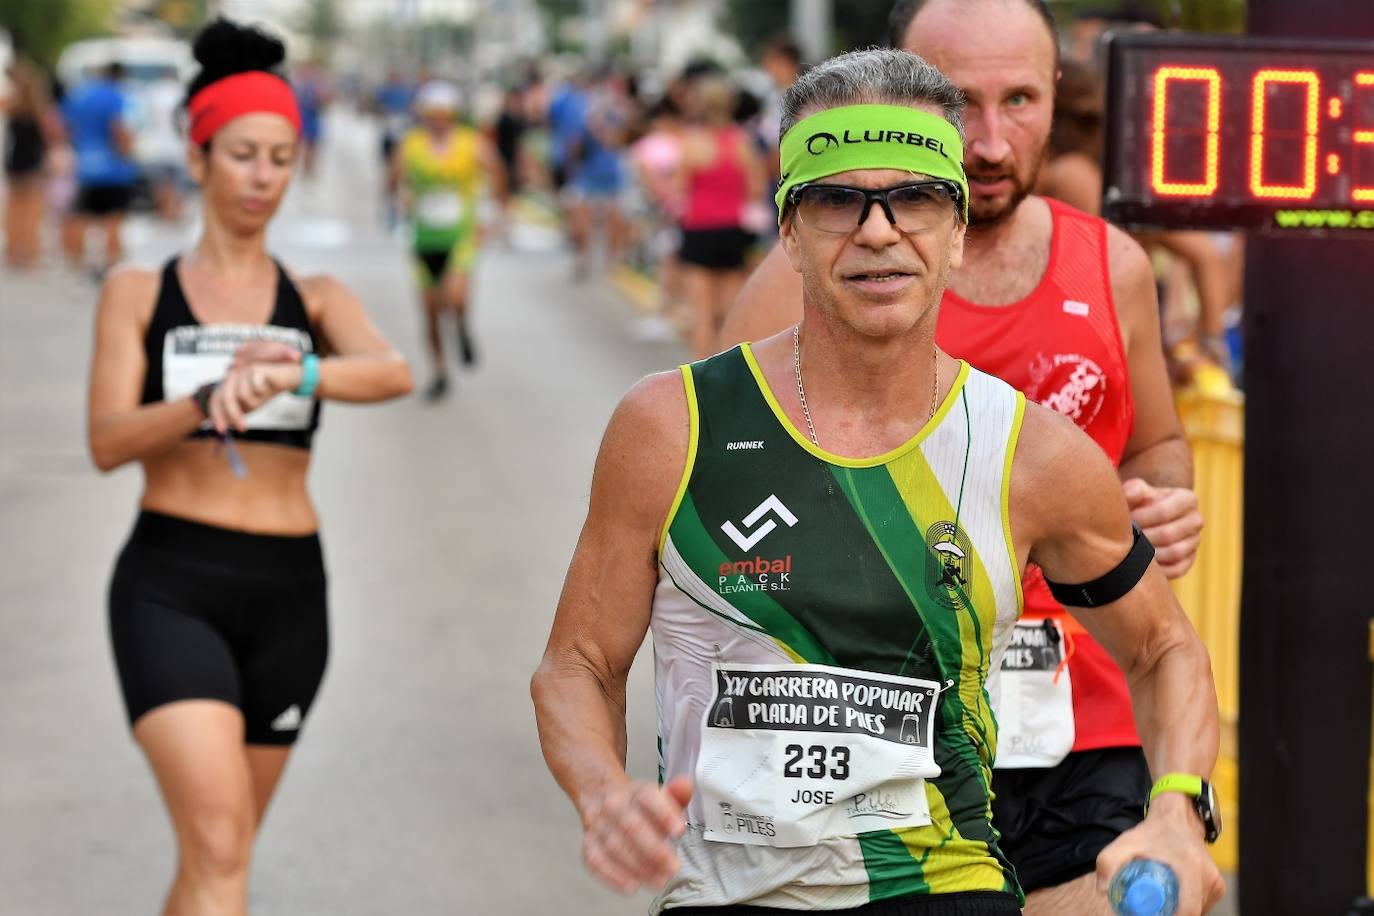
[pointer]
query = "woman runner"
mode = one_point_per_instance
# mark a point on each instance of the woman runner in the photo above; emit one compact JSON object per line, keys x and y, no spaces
{"x":210,"y":373}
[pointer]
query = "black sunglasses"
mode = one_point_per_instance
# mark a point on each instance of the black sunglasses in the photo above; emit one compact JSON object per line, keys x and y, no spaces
{"x":912,"y":207}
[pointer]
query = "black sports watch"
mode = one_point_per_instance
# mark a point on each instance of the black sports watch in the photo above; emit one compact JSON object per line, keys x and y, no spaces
{"x":1203,"y":795}
{"x":202,"y":398}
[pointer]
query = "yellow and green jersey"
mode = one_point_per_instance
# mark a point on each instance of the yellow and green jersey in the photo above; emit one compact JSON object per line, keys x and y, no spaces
{"x":445,"y":186}
{"x":799,"y":591}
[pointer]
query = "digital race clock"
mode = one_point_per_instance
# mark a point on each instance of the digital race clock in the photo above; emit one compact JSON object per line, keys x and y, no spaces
{"x":1207,"y":131}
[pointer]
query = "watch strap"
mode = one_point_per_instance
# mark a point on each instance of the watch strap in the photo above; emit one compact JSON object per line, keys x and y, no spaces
{"x":1178,"y":782}
{"x":1204,"y":800}
{"x":310,"y":376}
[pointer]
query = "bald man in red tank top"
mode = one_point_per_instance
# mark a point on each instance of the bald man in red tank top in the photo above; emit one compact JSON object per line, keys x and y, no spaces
{"x":1061,"y":305}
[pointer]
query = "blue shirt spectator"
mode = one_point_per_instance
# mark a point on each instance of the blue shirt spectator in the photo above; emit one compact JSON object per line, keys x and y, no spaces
{"x":395,"y":96}
{"x":567,"y":122}
{"x":393,"y":102}
{"x":95,"y":113}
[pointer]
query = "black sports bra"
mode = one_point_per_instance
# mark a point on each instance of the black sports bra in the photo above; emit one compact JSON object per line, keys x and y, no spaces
{"x":184,"y":354}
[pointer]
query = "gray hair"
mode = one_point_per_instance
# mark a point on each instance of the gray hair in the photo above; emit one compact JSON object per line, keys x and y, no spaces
{"x":876,"y":76}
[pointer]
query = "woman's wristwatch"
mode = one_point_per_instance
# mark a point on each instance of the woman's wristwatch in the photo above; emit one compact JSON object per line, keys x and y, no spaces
{"x":202,"y":398}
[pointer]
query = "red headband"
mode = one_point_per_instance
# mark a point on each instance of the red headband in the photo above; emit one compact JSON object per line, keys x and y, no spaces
{"x":234,"y":96}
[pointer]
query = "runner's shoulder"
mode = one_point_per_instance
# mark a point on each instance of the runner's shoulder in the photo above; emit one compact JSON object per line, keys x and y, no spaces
{"x":644,"y":451}
{"x":1128,"y":266}
{"x":318,"y":284}
{"x":130,"y":293}
{"x":319,"y":291}
{"x":1126,"y":259}
{"x":655,"y":407}
{"x":1053,"y":458}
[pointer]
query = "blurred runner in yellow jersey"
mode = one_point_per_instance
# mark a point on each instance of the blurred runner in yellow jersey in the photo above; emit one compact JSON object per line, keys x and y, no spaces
{"x":442,"y":165}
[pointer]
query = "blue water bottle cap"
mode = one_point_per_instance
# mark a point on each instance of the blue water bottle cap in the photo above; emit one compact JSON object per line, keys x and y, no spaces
{"x":1143,"y":898}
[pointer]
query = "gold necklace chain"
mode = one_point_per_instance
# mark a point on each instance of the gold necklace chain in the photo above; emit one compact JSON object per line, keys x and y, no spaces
{"x":801,"y":390}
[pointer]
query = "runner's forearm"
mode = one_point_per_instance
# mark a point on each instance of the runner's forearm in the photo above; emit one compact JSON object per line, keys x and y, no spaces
{"x":363,"y":378}
{"x":581,"y":730}
{"x":1175,"y":705}
{"x":116,"y":439}
{"x":1167,"y":463}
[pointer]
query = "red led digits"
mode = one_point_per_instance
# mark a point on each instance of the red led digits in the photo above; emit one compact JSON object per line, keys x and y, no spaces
{"x":1308,"y":188}
{"x":1239,"y":132}
{"x":1158,"y":180}
{"x":1363,"y":80}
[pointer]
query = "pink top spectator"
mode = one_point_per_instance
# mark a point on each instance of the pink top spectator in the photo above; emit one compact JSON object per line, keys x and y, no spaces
{"x":718,"y":194}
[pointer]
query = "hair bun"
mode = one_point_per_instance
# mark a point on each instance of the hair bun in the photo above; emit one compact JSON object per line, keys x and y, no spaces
{"x":225,"y":47}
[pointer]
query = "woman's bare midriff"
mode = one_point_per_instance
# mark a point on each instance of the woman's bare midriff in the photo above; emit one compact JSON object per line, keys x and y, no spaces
{"x":193,"y":480}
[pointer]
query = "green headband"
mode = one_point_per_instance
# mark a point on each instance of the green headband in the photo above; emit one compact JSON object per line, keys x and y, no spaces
{"x":871,"y":137}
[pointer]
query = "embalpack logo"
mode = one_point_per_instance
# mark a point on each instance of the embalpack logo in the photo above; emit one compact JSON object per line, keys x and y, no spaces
{"x":949,"y":561}
{"x":747,"y":541}
{"x":757,"y":573}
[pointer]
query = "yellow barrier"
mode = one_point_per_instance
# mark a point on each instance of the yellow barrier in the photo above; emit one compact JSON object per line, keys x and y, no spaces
{"x":1210,"y":592}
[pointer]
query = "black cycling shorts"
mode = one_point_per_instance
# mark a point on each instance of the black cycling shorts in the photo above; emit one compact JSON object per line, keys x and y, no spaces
{"x":715,"y":249}
{"x":103,"y":199}
{"x":967,"y":903}
{"x":1055,"y":820}
{"x":435,"y":263}
{"x":198,"y":612}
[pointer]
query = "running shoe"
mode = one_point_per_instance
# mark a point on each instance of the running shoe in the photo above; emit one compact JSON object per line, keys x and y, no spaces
{"x":438,"y":389}
{"x":466,"y":349}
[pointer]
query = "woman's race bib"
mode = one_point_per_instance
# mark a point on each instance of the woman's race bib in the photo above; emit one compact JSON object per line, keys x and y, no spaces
{"x":439,"y":209}
{"x":794,"y":754}
{"x":1035,"y":708}
{"x":197,"y":354}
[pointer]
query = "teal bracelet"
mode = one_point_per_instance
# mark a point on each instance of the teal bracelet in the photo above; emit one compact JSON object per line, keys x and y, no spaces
{"x":310,"y":376}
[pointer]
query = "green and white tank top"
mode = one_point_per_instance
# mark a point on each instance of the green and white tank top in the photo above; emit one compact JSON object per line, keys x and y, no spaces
{"x":824,"y":631}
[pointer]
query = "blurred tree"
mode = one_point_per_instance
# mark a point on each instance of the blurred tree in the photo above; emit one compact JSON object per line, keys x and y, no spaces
{"x":446,"y":49}
{"x":1190,"y":15}
{"x":556,"y":13}
{"x":861,"y":24}
{"x":321,"y":22}
{"x":858,"y":23}
{"x":1210,"y":15}
{"x":184,"y":16}
{"x":754,"y":22}
{"x":45,"y":28}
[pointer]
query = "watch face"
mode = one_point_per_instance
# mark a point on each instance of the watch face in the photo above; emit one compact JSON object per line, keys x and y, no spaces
{"x":1210,"y":810}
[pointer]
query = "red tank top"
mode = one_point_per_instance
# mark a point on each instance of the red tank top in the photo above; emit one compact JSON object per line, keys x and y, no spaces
{"x":1062,"y":346}
{"x":717,"y":194}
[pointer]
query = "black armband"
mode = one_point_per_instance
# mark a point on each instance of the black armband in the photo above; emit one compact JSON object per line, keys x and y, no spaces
{"x":1111,"y":585}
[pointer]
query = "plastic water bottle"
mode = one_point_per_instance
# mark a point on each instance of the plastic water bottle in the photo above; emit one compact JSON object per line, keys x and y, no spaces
{"x":1144,"y":888}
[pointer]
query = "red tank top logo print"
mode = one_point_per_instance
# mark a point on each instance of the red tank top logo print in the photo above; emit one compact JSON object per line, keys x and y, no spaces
{"x":1069,"y":383}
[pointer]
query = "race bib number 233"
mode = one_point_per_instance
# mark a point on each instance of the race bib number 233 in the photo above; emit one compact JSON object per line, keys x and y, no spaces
{"x":793,"y":754}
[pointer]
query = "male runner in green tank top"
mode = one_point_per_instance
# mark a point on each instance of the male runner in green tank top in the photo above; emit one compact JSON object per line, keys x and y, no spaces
{"x":826,"y":533}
